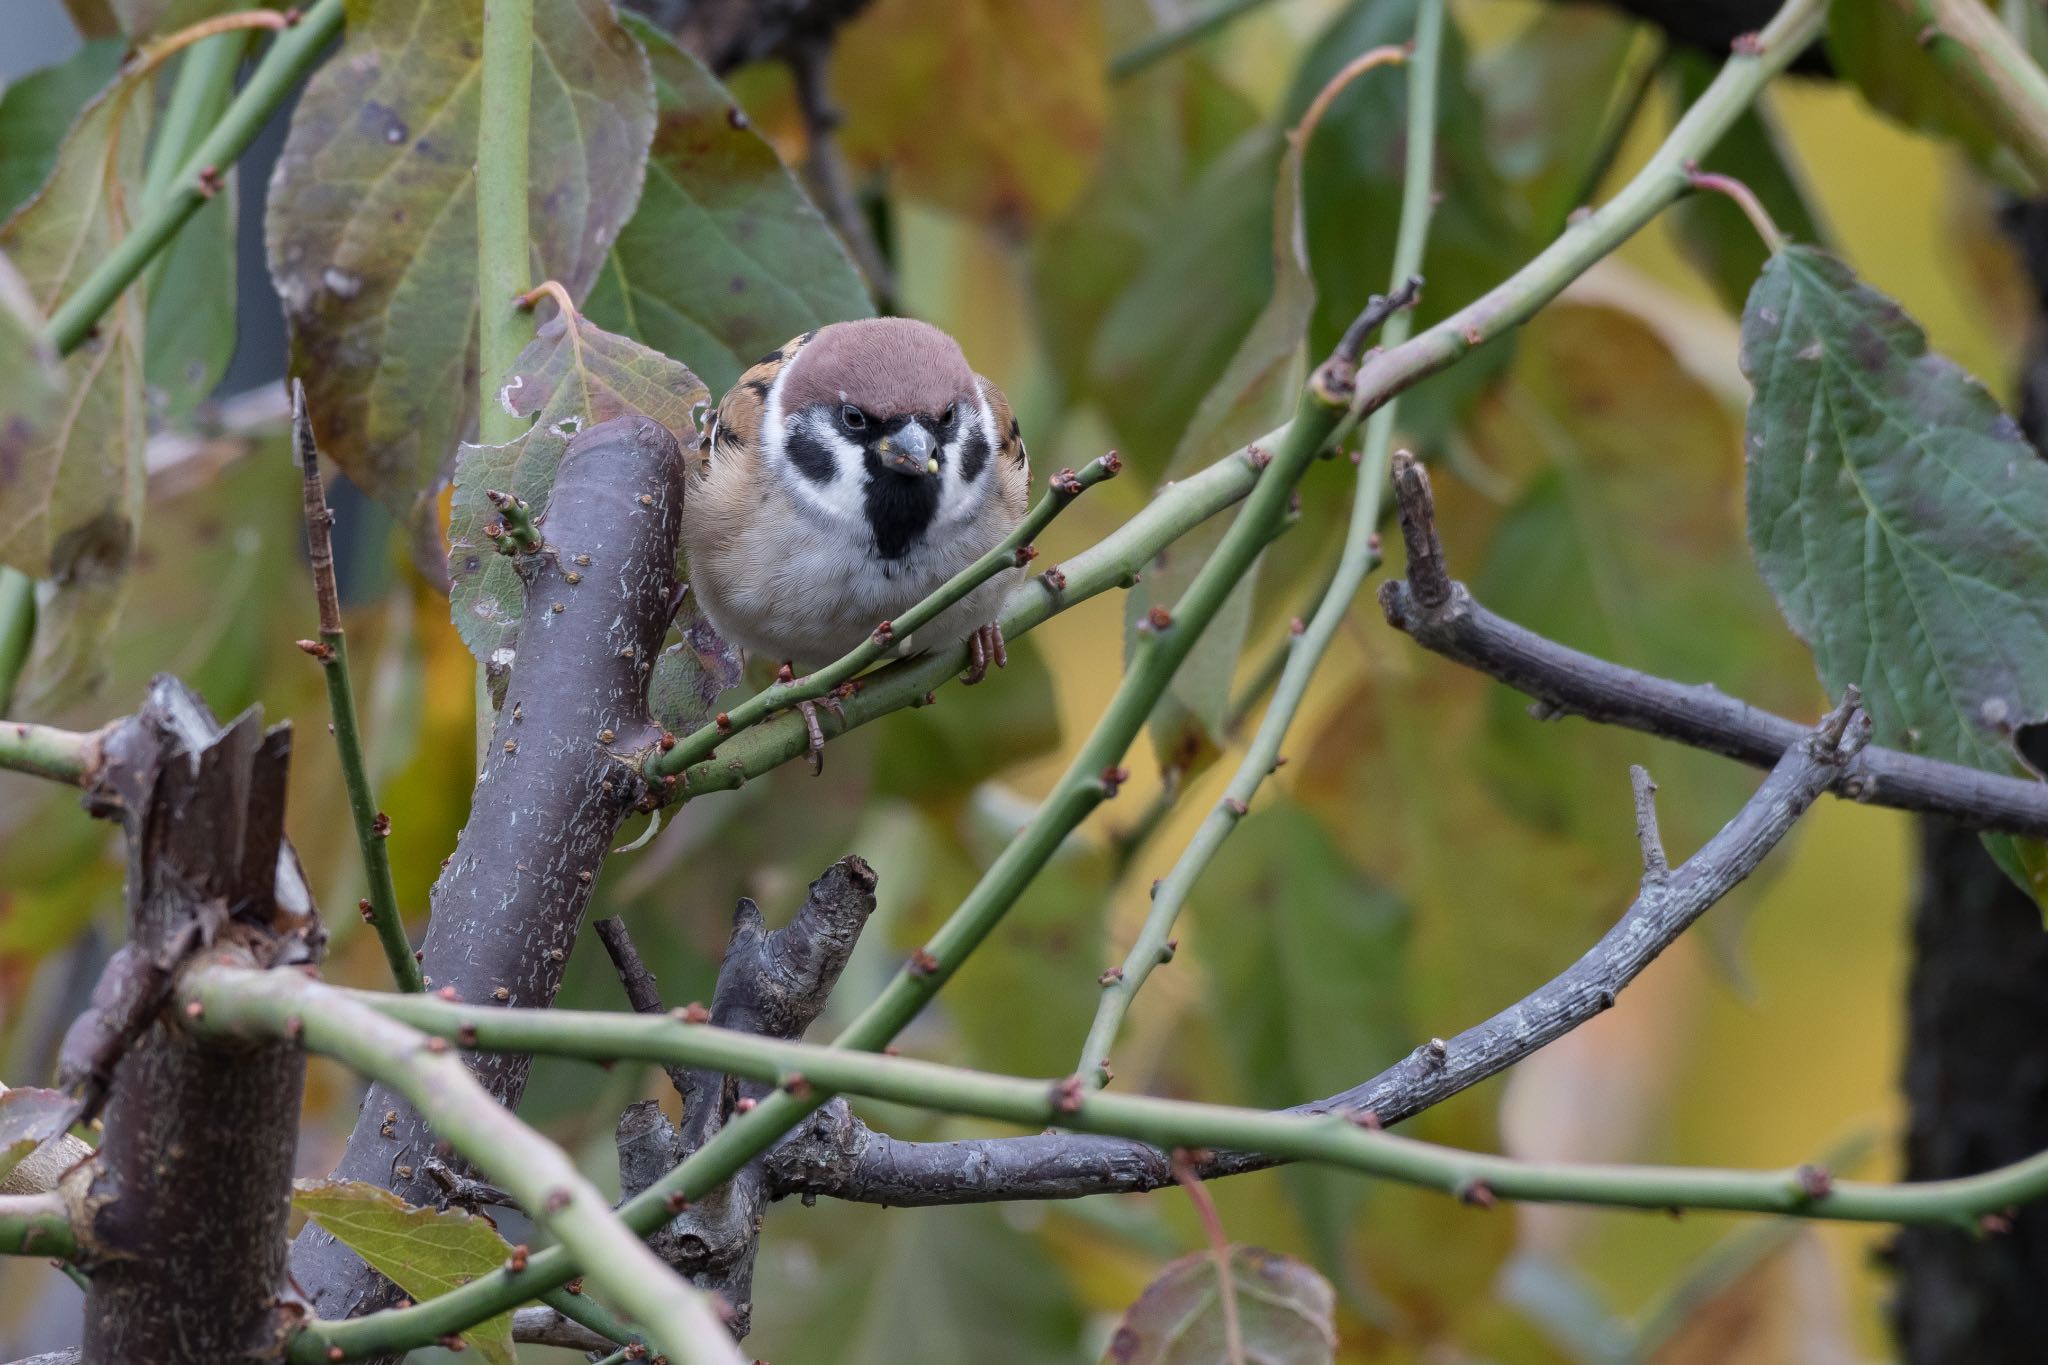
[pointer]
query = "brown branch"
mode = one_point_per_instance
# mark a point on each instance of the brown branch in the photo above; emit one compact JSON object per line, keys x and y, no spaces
{"x":507,"y":907}
{"x":831,"y":181}
{"x":182,"y":1273}
{"x":1442,"y":616}
{"x":643,"y":992}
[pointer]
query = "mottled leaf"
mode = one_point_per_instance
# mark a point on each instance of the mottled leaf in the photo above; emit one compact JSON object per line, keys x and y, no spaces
{"x":31,"y":384}
{"x":1900,"y":517}
{"x":990,"y":107}
{"x":371,"y":222}
{"x":425,"y":1252}
{"x":37,"y":110}
{"x":725,"y":258}
{"x":71,"y":499}
{"x":572,"y":375}
{"x":1286,"y":1313}
{"x":1306,"y":960}
{"x":1712,"y":230}
{"x":690,"y":675}
{"x":28,"y":1119}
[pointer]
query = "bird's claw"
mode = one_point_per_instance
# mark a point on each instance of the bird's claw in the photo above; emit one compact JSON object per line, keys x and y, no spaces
{"x":809,"y":711}
{"x":984,"y":647}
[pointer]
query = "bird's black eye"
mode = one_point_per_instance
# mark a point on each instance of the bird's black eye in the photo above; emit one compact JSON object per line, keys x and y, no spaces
{"x":853,"y":417}
{"x":952,"y":411}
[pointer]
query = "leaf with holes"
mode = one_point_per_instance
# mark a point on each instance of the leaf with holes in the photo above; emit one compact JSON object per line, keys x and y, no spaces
{"x":691,"y":674}
{"x":371,"y":224}
{"x":1286,"y":1313}
{"x":1901,"y":519}
{"x":571,"y":375}
{"x":71,"y":495}
{"x":28,"y":1119}
{"x":725,"y":259}
{"x":425,"y":1252}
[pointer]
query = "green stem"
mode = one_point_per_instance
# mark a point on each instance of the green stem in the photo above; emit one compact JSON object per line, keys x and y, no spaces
{"x":1380,"y":378}
{"x":432,"y":1077}
{"x":1166,"y":42}
{"x":701,"y":743}
{"x":380,"y":908}
{"x":287,"y":59}
{"x":45,"y":751}
{"x":1990,"y":70}
{"x":17,"y":628}
{"x":1305,"y":651}
{"x":35,"y":1225}
{"x":264,"y":1003}
{"x":206,"y":77}
{"x":503,"y":241}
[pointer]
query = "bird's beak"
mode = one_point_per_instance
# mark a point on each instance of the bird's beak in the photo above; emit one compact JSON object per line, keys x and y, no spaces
{"x":909,"y":450}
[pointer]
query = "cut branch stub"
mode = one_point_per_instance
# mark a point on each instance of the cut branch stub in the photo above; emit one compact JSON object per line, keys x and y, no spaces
{"x":179,"y":1273}
{"x":552,"y":796}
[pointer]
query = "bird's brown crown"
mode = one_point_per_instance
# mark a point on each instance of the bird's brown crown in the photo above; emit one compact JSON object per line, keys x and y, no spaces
{"x":887,"y":367}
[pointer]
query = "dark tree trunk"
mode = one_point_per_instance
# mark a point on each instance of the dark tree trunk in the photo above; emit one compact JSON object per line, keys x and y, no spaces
{"x":559,"y":782}
{"x":1976,"y":1074}
{"x":191,"y":1193}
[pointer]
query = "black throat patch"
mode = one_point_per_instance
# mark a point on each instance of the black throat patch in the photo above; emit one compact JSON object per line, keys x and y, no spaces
{"x":899,"y":507}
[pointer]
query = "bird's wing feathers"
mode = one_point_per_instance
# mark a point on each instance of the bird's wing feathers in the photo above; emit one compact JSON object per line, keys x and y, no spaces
{"x":1013,"y":462}
{"x":737,"y":426}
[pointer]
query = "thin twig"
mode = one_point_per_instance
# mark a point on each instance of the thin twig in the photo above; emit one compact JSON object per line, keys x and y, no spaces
{"x":643,"y":992}
{"x":1442,"y":616}
{"x":1656,"y":866}
{"x":1219,"y":1248}
{"x":825,"y":165}
{"x":380,"y":909}
{"x":1360,"y":556}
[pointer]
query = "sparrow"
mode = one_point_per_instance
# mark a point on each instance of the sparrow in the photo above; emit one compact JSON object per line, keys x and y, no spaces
{"x":843,"y":478}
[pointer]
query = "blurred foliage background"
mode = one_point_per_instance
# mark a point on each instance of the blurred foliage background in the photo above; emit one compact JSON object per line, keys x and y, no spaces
{"x":1432,"y":853}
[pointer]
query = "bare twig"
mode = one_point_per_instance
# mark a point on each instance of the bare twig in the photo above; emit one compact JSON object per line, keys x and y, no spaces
{"x":1442,"y":616}
{"x":825,"y":166}
{"x":1656,"y":867}
{"x":380,"y":908}
{"x":643,"y":992}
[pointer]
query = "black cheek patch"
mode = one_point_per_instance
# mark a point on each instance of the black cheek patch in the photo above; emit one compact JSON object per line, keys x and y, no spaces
{"x":811,"y":456}
{"x":973,"y":453}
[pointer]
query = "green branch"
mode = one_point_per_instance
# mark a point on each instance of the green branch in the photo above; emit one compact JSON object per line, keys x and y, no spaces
{"x":35,"y":1225}
{"x":1990,"y":70}
{"x":1380,"y":378}
{"x":240,"y":1000}
{"x":288,"y":58}
{"x":380,"y":907}
{"x":1065,"y":487}
{"x":504,"y":243}
{"x":46,"y":751}
{"x":17,"y":628}
{"x":431,"y":1076}
{"x":1305,"y":650}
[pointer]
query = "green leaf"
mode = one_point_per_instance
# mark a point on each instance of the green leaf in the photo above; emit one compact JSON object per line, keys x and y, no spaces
{"x":1712,"y":230}
{"x":191,"y":325}
{"x":690,"y":675}
{"x":1306,"y":959}
{"x":570,"y":376}
{"x":71,"y":498}
{"x":1900,"y":517}
{"x":30,"y":381}
{"x":1286,"y":1313}
{"x":37,"y":110}
{"x":992,"y":108}
{"x":1167,"y":126}
{"x":1877,"y":47}
{"x":28,"y":1119}
{"x":725,"y":258}
{"x":371,"y":220}
{"x":425,"y":1252}
{"x":1552,"y":94}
